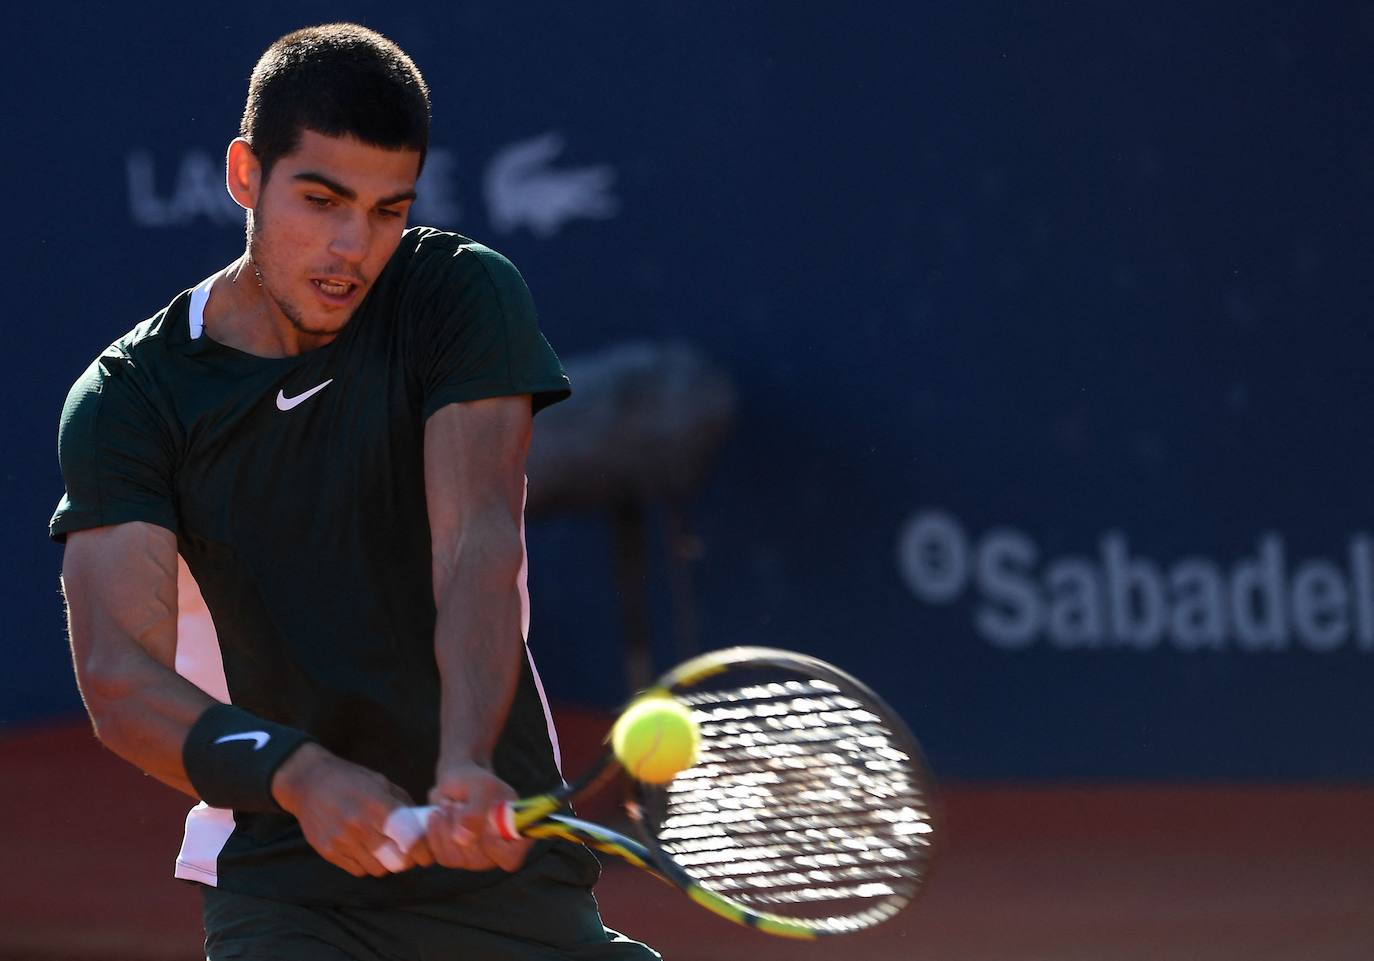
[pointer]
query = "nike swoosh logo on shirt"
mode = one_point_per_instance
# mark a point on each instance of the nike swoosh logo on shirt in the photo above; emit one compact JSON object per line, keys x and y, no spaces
{"x":286,"y":403}
{"x":259,"y":738}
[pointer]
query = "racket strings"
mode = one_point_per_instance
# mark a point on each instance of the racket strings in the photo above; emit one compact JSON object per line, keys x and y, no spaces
{"x":777,"y":839}
{"x":802,"y":797}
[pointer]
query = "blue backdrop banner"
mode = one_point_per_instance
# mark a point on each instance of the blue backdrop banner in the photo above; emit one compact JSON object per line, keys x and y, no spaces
{"x":1049,"y":331}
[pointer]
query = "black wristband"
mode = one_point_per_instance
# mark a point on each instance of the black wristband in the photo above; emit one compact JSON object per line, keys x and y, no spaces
{"x":231,"y":755}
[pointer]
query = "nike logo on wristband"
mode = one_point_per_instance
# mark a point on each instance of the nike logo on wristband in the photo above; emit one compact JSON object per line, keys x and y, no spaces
{"x":259,"y":738}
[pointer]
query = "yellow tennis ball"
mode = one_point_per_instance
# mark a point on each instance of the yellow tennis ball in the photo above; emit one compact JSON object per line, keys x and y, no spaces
{"x":655,"y":739}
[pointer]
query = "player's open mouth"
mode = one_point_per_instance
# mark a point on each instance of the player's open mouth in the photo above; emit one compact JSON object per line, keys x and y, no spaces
{"x":335,"y":291}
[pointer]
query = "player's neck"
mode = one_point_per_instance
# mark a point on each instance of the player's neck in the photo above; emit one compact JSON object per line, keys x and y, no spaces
{"x":241,"y":314}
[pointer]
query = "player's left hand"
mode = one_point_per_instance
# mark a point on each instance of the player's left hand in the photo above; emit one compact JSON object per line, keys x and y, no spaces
{"x":461,"y":833}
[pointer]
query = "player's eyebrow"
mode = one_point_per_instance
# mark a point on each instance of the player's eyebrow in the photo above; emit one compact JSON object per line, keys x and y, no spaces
{"x":348,"y":193}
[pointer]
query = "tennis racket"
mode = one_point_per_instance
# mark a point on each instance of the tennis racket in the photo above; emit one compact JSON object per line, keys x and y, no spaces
{"x":807,"y":813}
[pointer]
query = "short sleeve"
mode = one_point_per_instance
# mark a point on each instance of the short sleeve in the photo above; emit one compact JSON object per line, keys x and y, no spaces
{"x":483,"y":335}
{"x":115,"y":456}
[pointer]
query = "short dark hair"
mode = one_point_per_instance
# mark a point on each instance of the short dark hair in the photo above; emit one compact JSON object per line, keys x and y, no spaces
{"x":338,"y":79}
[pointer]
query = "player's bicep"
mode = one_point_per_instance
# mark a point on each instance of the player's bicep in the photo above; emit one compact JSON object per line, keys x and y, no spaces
{"x":121,"y":587}
{"x":475,"y":471}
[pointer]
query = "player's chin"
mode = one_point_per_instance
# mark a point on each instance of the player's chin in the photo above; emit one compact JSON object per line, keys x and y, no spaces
{"x":322,"y":326}
{"x":323,"y":319}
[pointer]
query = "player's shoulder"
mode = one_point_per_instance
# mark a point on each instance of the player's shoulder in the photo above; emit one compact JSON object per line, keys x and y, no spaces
{"x":140,"y":351}
{"x":434,"y":260}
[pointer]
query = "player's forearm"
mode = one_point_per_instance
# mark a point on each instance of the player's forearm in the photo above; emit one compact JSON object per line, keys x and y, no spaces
{"x":478,"y":639}
{"x":142,"y":712}
{"x":120,"y":584}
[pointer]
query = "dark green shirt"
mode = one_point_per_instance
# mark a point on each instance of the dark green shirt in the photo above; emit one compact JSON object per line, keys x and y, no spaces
{"x":295,"y":487}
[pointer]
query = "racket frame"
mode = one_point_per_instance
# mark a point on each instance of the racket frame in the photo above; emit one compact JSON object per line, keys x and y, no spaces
{"x":537,"y":816}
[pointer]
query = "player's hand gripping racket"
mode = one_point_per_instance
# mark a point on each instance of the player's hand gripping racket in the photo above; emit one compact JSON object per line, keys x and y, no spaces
{"x":807,"y":811}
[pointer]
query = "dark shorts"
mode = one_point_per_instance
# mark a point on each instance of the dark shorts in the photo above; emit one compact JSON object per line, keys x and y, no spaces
{"x":535,"y":915}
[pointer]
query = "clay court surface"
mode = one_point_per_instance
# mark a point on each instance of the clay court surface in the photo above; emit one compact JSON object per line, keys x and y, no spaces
{"x":1028,"y":873}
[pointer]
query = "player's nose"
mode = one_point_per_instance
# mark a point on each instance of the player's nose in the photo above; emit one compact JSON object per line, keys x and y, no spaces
{"x":351,"y":240}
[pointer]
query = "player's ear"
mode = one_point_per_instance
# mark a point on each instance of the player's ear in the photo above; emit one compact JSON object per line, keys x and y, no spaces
{"x":243,"y":174}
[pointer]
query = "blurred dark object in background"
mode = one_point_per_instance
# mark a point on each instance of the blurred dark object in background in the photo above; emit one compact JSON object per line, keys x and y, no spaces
{"x":641,"y":431}
{"x":643,"y":424}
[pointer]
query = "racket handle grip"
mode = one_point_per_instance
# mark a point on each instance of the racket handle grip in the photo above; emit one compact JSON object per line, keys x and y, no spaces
{"x":404,"y":826}
{"x":502,"y":817}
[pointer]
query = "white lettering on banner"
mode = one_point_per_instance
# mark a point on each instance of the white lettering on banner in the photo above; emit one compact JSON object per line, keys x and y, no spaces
{"x":1263,"y":603}
{"x":520,"y":187}
{"x":523,"y":190}
{"x":934,"y":557}
{"x":1013,"y":618}
{"x":197,"y":191}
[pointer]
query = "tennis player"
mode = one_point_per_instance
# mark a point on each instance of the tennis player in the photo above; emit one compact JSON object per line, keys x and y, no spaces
{"x":321,"y":448}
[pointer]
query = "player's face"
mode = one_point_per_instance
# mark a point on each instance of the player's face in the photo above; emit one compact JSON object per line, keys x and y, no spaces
{"x":325,"y":223}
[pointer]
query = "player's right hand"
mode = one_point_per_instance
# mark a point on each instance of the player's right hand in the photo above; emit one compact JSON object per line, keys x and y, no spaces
{"x":461,"y":832}
{"x":342,"y":808}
